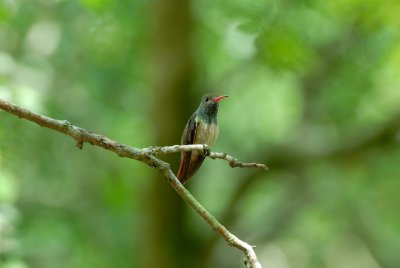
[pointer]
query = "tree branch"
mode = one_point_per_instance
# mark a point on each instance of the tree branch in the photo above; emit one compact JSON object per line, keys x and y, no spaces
{"x":146,"y":156}
{"x":203,"y":148}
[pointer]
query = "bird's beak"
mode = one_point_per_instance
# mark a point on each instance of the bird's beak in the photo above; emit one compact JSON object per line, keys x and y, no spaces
{"x":217,"y":99}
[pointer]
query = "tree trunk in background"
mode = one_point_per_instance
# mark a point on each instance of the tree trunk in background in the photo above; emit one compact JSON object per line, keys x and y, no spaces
{"x":172,"y":67}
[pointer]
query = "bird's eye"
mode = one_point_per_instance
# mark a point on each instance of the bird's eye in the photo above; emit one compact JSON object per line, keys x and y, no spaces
{"x":206,"y":99}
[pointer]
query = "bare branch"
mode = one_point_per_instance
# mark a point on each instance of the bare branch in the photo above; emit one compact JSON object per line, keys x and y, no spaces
{"x":176,"y":149}
{"x":233,"y":162}
{"x":146,"y":156}
{"x":202,"y":148}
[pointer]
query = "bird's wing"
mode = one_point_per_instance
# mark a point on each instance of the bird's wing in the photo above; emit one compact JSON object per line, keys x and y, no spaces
{"x":195,"y":165}
{"x":190,"y":131}
{"x":188,"y":167}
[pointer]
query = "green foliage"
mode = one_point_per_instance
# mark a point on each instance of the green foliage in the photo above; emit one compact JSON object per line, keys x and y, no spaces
{"x":314,"y":92}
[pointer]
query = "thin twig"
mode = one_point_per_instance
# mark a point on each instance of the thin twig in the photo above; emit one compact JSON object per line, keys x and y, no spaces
{"x":146,"y":156}
{"x":233,"y":162}
{"x":202,"y":148}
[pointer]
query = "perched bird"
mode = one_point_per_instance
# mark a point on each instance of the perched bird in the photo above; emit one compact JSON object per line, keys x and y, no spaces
{"x":202,"y":128}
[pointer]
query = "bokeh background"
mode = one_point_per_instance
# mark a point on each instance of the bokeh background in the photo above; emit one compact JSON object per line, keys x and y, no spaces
{"x":314,"y":92}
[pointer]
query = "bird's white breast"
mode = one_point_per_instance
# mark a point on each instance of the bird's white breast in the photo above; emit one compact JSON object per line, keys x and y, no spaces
{"x":206,"y":133}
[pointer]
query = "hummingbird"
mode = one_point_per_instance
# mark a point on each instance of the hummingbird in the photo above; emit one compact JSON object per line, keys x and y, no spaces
{"x":202,"y":128}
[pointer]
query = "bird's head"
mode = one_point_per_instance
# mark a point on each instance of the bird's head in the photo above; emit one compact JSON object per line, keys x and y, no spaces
{"x":210,"y":102}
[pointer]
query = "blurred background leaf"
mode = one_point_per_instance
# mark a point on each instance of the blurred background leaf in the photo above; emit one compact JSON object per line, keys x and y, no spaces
{"x":314,"y":93}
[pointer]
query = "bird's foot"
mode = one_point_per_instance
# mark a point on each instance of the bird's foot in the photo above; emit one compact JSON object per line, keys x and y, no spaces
{"x":206,"y":150}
